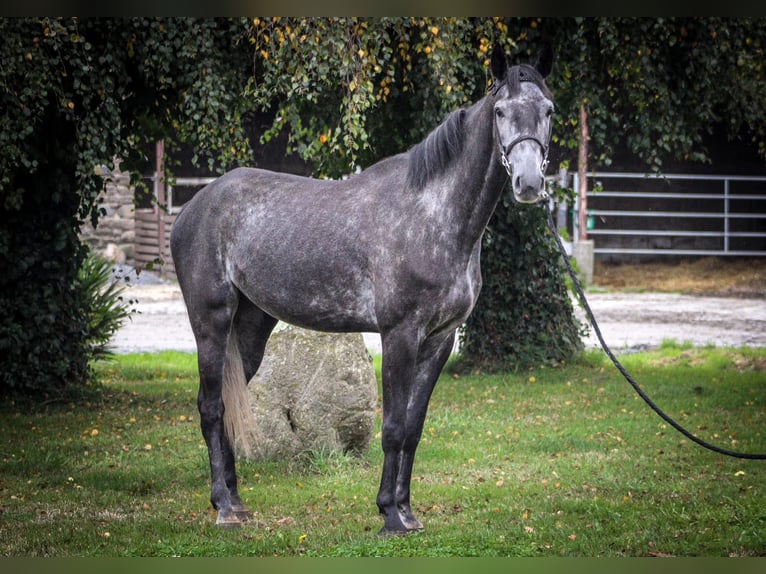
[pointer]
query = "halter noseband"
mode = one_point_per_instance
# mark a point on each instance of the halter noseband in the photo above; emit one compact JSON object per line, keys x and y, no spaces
{"x":507,"y":164}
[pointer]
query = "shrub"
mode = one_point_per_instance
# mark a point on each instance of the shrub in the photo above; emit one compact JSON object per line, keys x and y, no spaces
{"x":524,"y":314}
{"x":103,"y":299}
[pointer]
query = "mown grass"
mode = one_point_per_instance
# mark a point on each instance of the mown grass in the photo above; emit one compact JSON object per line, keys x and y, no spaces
{"x":563,"y":461}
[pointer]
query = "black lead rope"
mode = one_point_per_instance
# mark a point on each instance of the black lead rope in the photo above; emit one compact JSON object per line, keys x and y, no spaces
{"x":622,"y":369}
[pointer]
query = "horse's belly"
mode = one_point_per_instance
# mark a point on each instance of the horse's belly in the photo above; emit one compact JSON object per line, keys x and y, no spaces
{"x":323,"y":306}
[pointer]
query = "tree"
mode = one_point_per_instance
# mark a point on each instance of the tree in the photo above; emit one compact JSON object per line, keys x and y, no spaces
{"x":76,"y":93}
{"x":656,"y":86}
{"x":350,"y":91}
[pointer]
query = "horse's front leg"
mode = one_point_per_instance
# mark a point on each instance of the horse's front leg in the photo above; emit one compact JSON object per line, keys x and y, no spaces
{"x":399,"y":357}
{"x":410,"y":371}
{"x":431,"y":359}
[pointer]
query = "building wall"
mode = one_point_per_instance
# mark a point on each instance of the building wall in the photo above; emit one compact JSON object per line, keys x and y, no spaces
{"x":114,"y":237}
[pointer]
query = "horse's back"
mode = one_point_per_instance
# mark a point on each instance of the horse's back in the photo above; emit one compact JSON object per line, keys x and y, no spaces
{"x":301,"y":249}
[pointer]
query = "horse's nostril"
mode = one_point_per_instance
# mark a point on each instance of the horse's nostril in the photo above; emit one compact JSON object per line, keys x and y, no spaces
{"x":527,"y":185}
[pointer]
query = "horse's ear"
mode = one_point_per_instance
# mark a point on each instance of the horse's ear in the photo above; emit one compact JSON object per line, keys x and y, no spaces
{"x":499,"y":63}
{"x":544,"y":63}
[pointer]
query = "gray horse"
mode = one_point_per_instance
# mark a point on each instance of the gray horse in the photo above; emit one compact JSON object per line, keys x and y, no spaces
{"x":393,"y":250}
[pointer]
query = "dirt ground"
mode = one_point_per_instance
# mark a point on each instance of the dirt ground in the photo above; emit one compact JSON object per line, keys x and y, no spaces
{"x":710,"y":276}
{"x":710,"y":301}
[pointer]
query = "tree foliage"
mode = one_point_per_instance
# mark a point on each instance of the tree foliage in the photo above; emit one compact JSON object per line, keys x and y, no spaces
{"x":658,"y":86}
{"x":350,"y":91}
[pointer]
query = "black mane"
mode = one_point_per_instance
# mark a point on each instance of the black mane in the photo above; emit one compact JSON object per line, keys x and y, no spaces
{"x":431,"y":156}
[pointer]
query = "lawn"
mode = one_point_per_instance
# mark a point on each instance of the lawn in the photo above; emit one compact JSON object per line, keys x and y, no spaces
{"x":554,"y":461}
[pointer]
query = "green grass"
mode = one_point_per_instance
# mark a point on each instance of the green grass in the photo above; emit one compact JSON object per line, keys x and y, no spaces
{"x":562,"y":461}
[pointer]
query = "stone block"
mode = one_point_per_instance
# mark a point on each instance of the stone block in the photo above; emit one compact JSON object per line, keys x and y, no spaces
{"x":313,"y":392}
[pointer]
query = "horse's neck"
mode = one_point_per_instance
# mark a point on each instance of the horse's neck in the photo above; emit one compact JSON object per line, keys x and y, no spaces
{"x":478,"y":175}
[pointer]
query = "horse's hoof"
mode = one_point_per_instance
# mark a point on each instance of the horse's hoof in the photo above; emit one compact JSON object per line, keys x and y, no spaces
{"x":406,"y":529}
{"x":412,"y":524}
{"x":228,"y":521}
{"x":242,"y":513}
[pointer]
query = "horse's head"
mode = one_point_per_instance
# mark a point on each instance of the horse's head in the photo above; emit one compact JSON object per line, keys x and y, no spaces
{"x":523,"y":109}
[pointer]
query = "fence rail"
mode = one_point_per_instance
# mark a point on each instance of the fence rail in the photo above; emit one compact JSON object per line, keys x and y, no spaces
{"x":690,"y":215}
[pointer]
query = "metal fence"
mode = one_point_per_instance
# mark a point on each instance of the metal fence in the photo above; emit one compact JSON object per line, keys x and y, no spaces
{"x":675,"y":214}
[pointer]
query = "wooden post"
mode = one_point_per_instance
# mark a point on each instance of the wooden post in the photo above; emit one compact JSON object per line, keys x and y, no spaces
{"x":582,"y":247}
{"x":159,"y":183}
{"x":582,"y":172}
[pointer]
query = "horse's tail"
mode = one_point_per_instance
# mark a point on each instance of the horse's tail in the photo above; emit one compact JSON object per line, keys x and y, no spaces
{"x":238,"y":419}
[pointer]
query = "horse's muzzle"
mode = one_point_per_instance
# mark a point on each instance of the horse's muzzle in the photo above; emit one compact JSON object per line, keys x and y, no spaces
{"x":528,"y":189}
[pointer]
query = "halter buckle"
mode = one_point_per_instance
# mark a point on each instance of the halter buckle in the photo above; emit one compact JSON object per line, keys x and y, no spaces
{"x":506,"y":164}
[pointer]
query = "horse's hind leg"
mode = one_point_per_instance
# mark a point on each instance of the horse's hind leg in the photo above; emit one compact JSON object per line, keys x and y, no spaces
{"x":251,"y":328}
{"x":211,"y":320}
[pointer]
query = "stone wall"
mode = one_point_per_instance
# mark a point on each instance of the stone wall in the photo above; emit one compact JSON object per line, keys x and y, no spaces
{"x":114,"y":237}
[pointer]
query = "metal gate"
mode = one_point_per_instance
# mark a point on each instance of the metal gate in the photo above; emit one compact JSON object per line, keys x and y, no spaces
{"x":675,"y":214}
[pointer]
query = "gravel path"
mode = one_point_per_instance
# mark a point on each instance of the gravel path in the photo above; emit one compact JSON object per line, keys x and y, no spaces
{"x":632,"y":321}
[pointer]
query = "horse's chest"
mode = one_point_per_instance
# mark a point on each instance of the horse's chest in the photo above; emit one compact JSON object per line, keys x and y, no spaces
{"x":453,"y":302}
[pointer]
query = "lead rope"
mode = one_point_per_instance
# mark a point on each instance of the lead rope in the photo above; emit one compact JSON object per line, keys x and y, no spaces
{"x":625,"y":373}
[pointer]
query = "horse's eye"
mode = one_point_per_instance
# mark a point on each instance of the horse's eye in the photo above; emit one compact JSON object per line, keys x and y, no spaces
{"x":499,"y":113}
{"x":549,"y":112}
